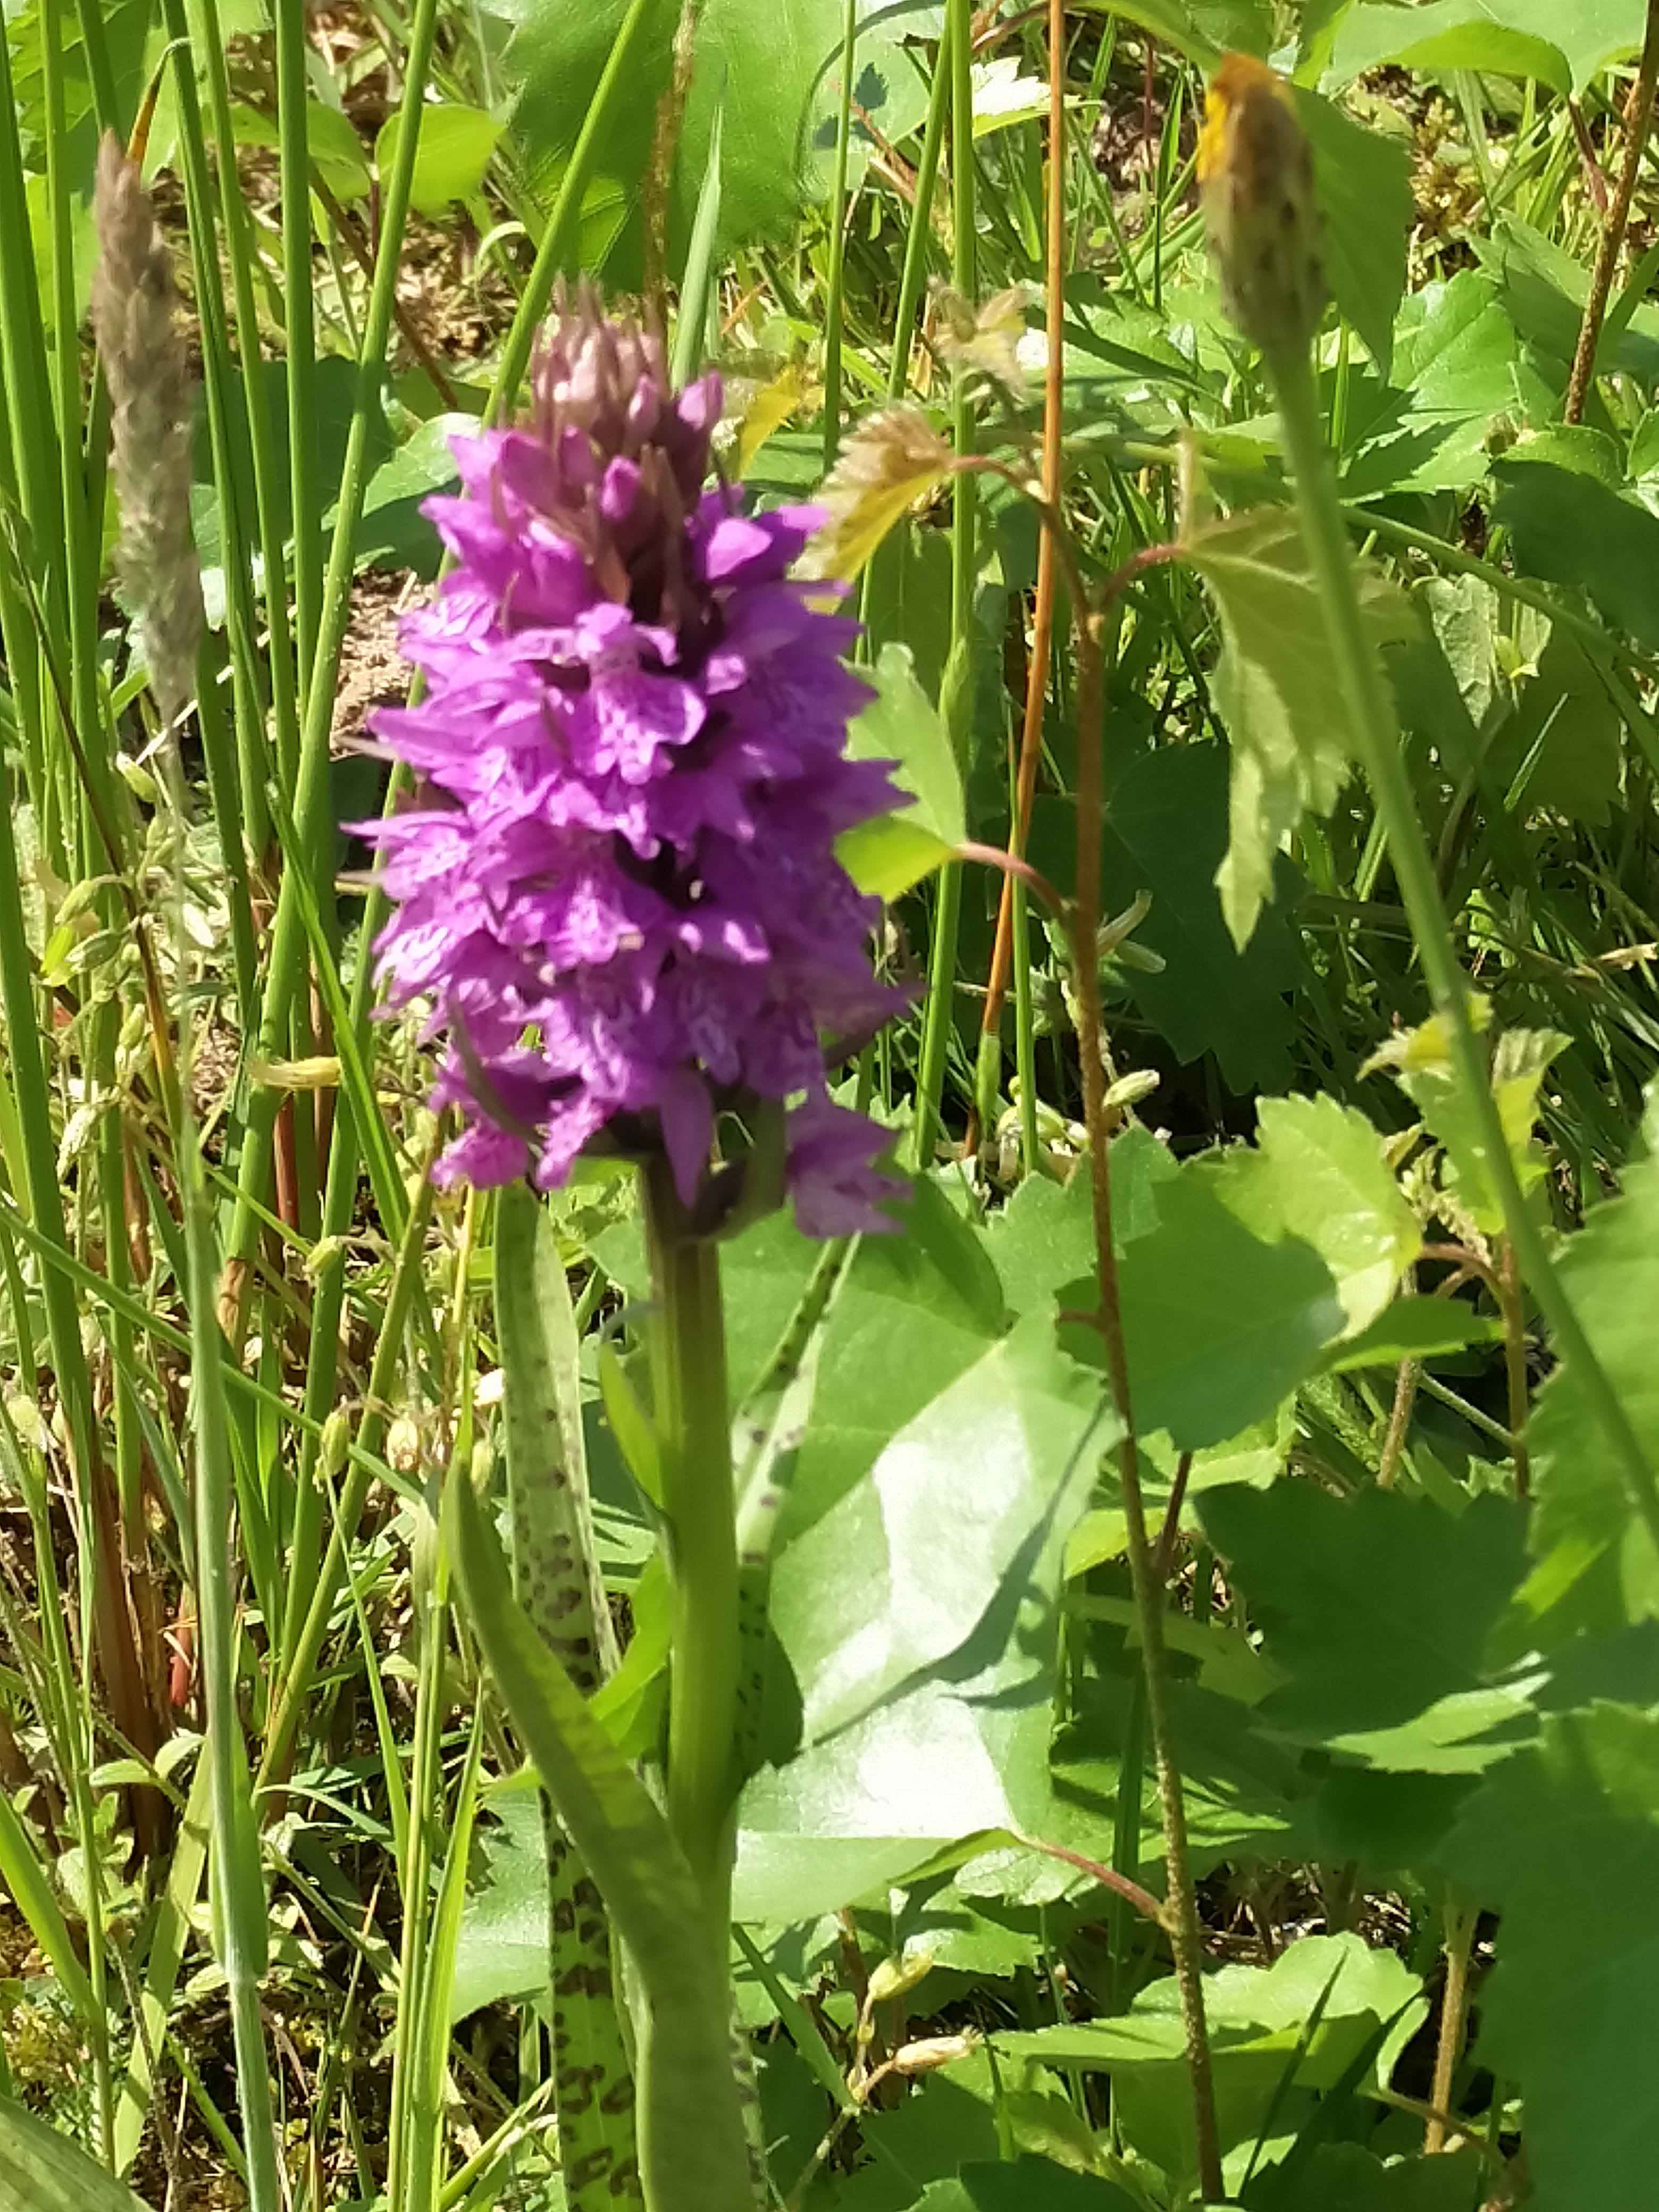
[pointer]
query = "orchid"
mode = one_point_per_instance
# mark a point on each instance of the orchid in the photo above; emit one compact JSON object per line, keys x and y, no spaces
{"x":618,"y":894}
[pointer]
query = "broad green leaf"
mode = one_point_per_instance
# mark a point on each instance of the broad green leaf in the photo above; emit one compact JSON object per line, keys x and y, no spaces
{"x":1362,"y":187}
{"x":1415,"y":1328}
{"x":1380,"y":1609}
{"x":330,"y":138}
{"x":1256,"y":2016}
{"x":1317,"y":1172}
{"x":1342,"y":2174}
{"x":1028,"y":2184}
{"x":1203,"y":30}
{"x":1569,"y":529}
{"x":1459,"y":369}
{"x":1565,"y":746}
{"x":1564,"y":1841}
{"x":1245,"y":2006}
{"x":1421,"y":1062}
{"x":900,"y":724}
{"x":890,"y":856}
{"x":765,"y":62}
{"x":909,"y":600}
{"x":1448,"y":35}
{"x":1044,"y":1237}
{"x":42,"y":2171}
{"x":959,"y":1743}
{"x":450,"y":161}
{"x":1244,"y":1788}
{"x":501,"y":1955}
{"x":392,"y":530}
{"x":1585,"y":1524}
{"x":917,"y":1308}
{"x":869,"y":1597}
{"x":1544,"y":289}
{"x":1279,"y":692}
{"x":1219,"y":1325}
{"x":1562,"y":46}
{"x":891,"y":97}
{"x":1166,"y":835}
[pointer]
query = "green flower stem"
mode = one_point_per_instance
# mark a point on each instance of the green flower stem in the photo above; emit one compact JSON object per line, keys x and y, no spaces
{"x":1325,"y":534}
{"x":693,"y":1430}
{"x":833,"y":299}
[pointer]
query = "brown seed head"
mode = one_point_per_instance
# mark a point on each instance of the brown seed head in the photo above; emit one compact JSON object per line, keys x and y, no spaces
{"x":134,"y":308}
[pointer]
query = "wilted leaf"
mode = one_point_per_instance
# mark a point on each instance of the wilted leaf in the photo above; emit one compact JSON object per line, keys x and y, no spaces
{"x":888,"y":462}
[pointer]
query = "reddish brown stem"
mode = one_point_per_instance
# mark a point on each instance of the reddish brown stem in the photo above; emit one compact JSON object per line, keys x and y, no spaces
{"x":1043,"y":615}
{"x":1639,"y":118}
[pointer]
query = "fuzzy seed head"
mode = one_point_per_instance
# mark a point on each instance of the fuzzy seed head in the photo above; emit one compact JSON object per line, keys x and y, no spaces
{"x":134,"y":308}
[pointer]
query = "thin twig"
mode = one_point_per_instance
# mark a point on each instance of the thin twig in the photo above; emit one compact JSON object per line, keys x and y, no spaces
{"x":1514,"y":1359}
{"x":1182,"y":1907}
{"x":1638,"y":118}
{"x":1454,"y":2019}
{"x":1042,"y":613}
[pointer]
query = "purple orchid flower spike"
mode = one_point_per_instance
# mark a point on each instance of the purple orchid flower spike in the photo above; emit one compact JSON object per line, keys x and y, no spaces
{"x":617,"y":895}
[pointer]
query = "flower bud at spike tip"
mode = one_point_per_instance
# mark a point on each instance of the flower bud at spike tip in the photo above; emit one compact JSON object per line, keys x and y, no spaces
{"x":1255,"y":166}
{"x":617,"y":895}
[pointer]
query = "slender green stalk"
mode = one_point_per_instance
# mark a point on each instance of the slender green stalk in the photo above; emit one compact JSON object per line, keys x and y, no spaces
{"x":287,"y":968}
{"x":406,"y":2172}
{"x":305,"y":492}
{"x":700,"y":283}
{"x":230,"y":474}
{"x":914,"y":275}
{"x":693,"y":1425}
{"x":241,"y":254}
{"x":1375,"y":741}
{"x":957,"y":698}
{"x":240,"y":1914}
{"x":288,"y":1702}
{"x":34,"y":437}
{"x":835,"y":272}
